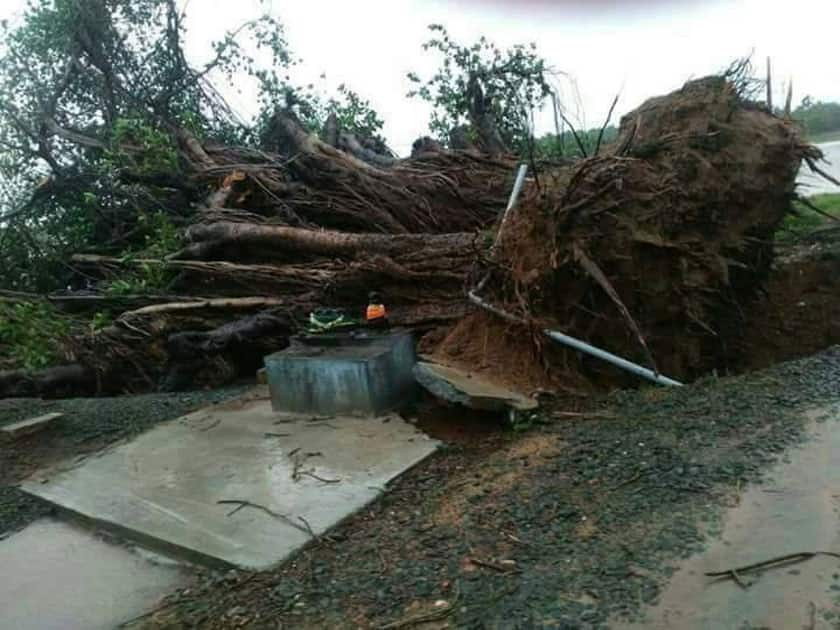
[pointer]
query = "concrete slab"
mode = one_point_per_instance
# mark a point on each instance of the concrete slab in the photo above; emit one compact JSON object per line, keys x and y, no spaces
{"x":301,"y":477}
{"x":464,"y":388}
{"x":358,"y":373}
{"x":57,"y":577}
{"x":29,"y":426}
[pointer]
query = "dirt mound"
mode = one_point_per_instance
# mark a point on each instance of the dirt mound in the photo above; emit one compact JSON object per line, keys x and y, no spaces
{"x":649,"y":250}
{"x":799,"y":314}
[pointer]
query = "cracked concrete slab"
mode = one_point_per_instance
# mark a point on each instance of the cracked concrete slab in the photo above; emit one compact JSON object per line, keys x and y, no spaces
{"x":237,"y":484}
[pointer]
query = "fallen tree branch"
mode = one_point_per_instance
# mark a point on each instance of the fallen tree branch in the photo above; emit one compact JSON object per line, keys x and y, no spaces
{"x":222,"y":304}
{"x":771,"y":563}
{"x":319,"y":242}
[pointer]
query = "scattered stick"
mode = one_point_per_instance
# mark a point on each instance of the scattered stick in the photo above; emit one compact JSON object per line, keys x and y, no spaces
{"x":308,"y":527}
{"x":309,"y":473}
{"x":772,"y":563}
{"x":415,"y":620}
{"x":212,"y":425}
{"x":277,"y":434}
{"x":243,"y":504}
{"x":496,"y":566}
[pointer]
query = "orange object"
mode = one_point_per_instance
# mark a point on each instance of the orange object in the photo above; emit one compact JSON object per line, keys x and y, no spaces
{"x":375,"y":311}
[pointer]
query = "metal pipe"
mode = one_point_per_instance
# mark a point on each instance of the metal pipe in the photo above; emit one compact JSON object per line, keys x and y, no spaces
{"x":514,"y":197}
{"x":624,"y":364}
{"x":580,"y":346}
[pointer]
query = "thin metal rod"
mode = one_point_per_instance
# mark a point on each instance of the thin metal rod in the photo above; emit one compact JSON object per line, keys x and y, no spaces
{"x":514,"y":197}
{"x":580,"y":346}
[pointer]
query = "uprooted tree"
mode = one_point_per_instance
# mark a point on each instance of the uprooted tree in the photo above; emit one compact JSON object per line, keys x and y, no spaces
{"x":195,"y":244}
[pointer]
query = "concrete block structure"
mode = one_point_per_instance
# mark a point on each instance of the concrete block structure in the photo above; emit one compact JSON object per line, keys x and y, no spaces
{"x":361,"y":373}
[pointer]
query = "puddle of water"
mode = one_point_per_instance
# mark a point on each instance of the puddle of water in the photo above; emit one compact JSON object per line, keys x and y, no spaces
{"x":796,"y":510}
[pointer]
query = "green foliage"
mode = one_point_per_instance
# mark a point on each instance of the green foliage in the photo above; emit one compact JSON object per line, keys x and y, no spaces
{"x":89,"y":93}
{"x":514,"y":82}
{"x":354,"y":114}
{"x":550,"y":146}
{"x":31,"y":334}
{"x":805,"y":220}
{"x":161,"y":235}
{"x":150,"y":275}
{"x":522,"y":421}
{"x":100,"y":320}
{"x":142,"y":148}
{"x":818,"y":118}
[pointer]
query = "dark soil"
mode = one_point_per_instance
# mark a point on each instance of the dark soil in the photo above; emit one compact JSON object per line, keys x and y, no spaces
{"x":800,"y":313}
{"x":568,"y":525}
{"x":88,"y":425}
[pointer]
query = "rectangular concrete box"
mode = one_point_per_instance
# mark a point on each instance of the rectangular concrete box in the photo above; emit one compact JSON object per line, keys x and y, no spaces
{"x":363,"y":374}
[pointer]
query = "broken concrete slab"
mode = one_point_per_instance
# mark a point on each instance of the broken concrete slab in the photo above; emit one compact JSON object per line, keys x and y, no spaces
{"x":29,"y":426}
{"x":281,"y":480}
{"x":362,"y":373}
{"x":59,"y":577}
{"x":456,"y":386}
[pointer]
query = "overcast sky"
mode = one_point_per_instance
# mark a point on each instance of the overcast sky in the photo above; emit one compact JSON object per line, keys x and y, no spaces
{"x":638,"y":48}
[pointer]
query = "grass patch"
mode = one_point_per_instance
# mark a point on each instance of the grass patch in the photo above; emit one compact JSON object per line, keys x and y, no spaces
{"x":806,"y":220}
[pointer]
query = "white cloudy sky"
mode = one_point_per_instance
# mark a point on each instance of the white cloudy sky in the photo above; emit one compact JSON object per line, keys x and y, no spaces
{"x":640,"y":48}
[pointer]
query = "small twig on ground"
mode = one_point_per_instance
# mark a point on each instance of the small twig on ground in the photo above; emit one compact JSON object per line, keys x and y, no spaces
{"x":212,"y":425}
{"x":496,"y":566}
{"x":277,"y":435}
{"x":737,"y":578}
{"x":415,"y":620}
{"x":772,"y":563}
{"x":309,"y":473}
{"x":243,"y":504}
{"x":516,"y":540}
{"x":308,"y":527}
{"x":628,"y":481}
{"x":812,"y":615}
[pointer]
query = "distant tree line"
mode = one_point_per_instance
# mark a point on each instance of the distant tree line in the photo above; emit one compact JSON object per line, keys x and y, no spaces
{"x":818,"y":117}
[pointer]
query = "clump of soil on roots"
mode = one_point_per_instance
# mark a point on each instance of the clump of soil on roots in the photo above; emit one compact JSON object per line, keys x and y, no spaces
{"x":650,"y":250}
